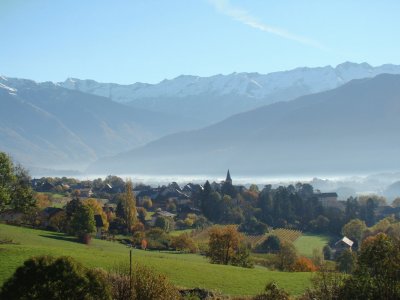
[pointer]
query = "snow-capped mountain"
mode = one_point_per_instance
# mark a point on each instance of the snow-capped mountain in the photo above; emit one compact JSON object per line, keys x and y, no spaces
{"x":193,"y":96}
{"x":252,"y":85}
{"x":353,"y":128}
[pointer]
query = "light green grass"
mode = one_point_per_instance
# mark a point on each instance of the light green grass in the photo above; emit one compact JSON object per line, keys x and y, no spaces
{"x":184,"y":270}
{"x":307,"y":242}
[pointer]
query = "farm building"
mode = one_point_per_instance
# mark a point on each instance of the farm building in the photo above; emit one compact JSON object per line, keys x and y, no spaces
{"x":343,"y":244}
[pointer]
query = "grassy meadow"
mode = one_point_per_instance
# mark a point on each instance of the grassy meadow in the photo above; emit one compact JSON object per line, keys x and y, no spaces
{"x":307,"y":242}
{"x":184,"y":270}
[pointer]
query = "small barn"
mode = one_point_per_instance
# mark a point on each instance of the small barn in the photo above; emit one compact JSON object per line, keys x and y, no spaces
{"x":343,"y":244}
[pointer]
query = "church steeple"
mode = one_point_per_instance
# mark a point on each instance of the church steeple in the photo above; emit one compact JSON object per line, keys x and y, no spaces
{"x":228,"y":178}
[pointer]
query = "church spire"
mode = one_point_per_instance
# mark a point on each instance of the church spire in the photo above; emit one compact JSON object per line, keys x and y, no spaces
{"x":228,"y":178}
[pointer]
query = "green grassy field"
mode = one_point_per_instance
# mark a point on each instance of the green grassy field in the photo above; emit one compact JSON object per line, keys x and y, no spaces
{"x":307,"y":242}
{"x":184,"y":270}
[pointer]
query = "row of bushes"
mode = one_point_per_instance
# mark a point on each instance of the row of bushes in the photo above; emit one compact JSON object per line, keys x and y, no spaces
{"x":158,"y":239}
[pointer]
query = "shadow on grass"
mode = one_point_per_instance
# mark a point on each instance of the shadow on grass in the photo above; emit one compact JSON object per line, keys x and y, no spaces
{"x":60,"y":237}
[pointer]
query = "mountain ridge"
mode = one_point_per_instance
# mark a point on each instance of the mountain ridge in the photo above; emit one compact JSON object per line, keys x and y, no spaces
{"x":45,"y":125}
{"x":214,"y":98}
{"x":360,"y":116}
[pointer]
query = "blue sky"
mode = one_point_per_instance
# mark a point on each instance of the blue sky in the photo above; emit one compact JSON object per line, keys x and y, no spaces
{"x":125,"y":41}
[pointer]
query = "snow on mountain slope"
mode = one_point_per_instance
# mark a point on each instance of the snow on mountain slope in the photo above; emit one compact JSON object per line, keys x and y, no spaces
{"x":253,"y":85}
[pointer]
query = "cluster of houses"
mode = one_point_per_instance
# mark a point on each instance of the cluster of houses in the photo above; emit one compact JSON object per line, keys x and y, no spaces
{"x":330,"y":200}
{"x":183,"y":198}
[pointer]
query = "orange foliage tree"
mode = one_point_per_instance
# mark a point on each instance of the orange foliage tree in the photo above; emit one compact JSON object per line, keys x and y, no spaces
{"x":184,"y":242}
{"x":304,"y":264}
{"x":223,"y":244}
{"x":42,"y":200}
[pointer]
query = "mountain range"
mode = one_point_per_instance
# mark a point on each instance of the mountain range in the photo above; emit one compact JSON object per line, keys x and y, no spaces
{"x":45,"y":125}
{"x":353,"y":128}
{"x":179,"y":124}
{"x":207,"y":100}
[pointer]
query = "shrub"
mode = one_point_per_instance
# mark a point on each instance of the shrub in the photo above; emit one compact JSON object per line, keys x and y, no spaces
{"x":45,"y":277}
{"x":325,"y":284}
{"x":144,"y":285}
{"x":272,"y":292}
{"x":346,"y":261}
{"x":242,"y":257}
{"x":58,"y":222}
{"x":317,"y":257}
{"x":163,"y":223}
{"x":137,"y":237}
{"x":148,"y":285}
{"x":157,"y":239}
{"x":304,"y":264}
{"x":184,"y":243}
{"x":138,"y":227}
{"x":286,"y":257}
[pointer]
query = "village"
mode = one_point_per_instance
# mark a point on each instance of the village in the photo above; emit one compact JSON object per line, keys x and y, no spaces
{"x":291,"y":229}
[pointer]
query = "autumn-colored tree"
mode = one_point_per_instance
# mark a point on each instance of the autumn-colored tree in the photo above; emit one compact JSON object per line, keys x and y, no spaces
{"x":138,"y":237}
{"x":144,"y":284}
{"x":143,"y":244}
{"x":110,"y":214}
{"x":190,"y":220}
{"x":97,"y":208}
{"x":223,"y":244}
{"x":58,"y":221}
{"x":184,"y":243}
{"x":42,"y":200}
{"x":129,"y":205}
{"x":138,"y":227}
{"x":304,"y":264}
